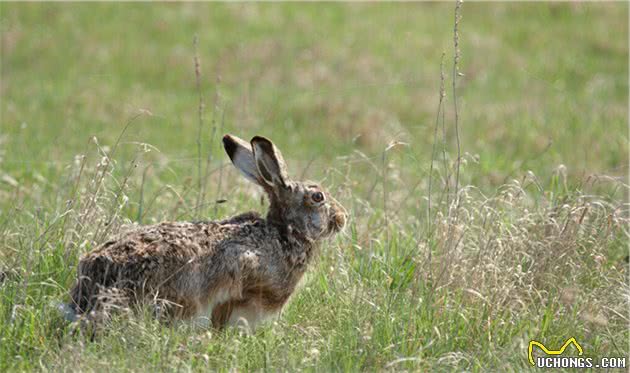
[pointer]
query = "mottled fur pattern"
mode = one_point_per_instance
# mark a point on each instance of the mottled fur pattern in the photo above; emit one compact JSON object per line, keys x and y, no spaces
{"x":246,"y":266}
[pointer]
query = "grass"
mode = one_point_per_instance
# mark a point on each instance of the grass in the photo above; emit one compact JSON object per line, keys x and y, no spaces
{"x":99,"y":128}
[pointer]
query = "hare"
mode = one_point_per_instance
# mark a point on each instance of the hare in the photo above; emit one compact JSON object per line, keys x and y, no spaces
{"x":243,"y":268}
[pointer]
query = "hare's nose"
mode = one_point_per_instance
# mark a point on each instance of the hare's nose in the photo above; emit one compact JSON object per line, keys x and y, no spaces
{"x":340,"y":220}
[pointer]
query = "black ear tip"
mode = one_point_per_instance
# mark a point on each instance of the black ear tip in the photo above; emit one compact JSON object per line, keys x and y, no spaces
{"x":261,"y":140}
{"x":229,"y":144}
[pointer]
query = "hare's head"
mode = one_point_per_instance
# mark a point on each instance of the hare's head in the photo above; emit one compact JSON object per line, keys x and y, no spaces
{"x":302,"y":207}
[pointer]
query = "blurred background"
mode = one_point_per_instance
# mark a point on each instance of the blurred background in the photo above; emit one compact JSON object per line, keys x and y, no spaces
{"x":542,"y":84}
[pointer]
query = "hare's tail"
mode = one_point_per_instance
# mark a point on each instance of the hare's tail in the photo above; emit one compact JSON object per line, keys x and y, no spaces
{"x":68,"y":312}
{"x":79,"y":302}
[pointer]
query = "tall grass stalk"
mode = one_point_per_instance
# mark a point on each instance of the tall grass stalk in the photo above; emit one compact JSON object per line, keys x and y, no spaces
{"x":200,"y":125}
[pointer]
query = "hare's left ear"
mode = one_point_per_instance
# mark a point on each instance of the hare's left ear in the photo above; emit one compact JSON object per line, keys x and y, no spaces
{"x":242,"y":156}
{"x":269,"y":161}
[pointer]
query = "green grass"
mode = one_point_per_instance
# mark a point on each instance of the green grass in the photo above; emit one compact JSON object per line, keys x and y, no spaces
{"x":541,"y":230}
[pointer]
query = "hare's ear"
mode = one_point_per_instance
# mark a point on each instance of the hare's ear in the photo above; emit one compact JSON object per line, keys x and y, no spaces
{"x":242,"y":156}
{"x":269,"y":161}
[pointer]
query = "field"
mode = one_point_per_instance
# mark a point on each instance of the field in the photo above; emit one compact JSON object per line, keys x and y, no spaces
{"x":447,"y":263}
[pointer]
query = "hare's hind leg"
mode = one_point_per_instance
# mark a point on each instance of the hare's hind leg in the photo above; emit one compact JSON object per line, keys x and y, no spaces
{"x":95,"y":273}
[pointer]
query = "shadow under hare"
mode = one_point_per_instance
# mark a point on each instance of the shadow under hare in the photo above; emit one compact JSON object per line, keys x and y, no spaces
{"x":243,"y":268}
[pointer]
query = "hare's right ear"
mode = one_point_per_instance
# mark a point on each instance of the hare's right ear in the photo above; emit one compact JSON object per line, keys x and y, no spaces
{"x":271,"y":166}
{"x":242,"y":156}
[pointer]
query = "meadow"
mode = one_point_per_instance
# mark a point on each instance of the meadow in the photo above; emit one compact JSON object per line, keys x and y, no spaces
{"x":112,"y":115}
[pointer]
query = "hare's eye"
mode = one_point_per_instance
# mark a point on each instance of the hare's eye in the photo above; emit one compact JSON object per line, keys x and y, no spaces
{"x":317,"y":197}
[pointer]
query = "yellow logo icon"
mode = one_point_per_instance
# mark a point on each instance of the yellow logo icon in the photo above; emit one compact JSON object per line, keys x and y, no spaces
{"x":552,"y":352}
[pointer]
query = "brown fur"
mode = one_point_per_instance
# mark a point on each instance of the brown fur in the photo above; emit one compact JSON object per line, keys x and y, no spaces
{"x":246,"y":263}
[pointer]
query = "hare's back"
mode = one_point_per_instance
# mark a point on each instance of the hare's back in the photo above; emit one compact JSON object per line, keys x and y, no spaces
{"x":164,"y":242}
